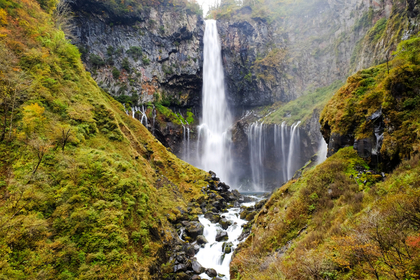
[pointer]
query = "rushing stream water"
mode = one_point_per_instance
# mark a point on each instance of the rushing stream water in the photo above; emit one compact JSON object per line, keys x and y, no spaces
{"x":212,"y":255}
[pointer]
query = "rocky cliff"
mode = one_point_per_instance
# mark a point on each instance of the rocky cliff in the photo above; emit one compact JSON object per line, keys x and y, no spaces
{"x":311,"y":45}
{"x":153,"y":54}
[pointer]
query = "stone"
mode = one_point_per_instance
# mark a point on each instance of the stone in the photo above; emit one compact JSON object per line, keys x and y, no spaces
{"x":211,"y":272}
{"x":227,"y":247}
{"x":194,"y":229}
{"x":225,"y":223}
{"x":214,"y":218}
{"x":180,"y":267}
{"x":197,"y":268}
{"x":201,"y":240}
{"x":222,"y":236}
{"x":196,"y":277}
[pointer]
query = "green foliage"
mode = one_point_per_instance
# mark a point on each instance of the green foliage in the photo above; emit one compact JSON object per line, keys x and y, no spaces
{"x":190,"y":117}
{"x":96,"y":60}
{"x":115,"y":73}
{"x":302,"y":108}
{"x":146,"y":60}
{"x":135,"y":52}
{"x":126,"y":64}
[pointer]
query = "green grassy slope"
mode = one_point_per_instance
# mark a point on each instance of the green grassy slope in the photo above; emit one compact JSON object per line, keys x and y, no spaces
{"x":85,"y":190}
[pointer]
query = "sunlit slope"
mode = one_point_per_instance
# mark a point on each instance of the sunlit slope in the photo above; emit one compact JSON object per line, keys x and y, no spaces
{"x":85,"y":190}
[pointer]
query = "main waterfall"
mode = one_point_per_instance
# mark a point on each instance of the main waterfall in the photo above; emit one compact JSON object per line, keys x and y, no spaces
{"x":213,"y":138}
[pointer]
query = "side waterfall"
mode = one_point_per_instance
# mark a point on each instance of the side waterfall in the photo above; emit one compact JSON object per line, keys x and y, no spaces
{"x":284,"y":155}
{"x":213,"y":131}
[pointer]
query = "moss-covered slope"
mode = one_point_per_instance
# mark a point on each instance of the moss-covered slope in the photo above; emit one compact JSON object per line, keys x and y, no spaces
{"x":338,"y":221}
{"x":85,"y":190}
{"x":392,"y":91}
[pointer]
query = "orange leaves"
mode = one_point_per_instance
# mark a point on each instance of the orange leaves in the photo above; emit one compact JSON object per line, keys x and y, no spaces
{"x":414,"y":241}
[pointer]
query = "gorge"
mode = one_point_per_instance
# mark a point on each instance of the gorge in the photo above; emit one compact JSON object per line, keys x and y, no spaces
{"x":266,"y":140}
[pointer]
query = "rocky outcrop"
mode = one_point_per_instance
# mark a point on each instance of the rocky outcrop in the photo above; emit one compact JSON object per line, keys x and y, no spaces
{"x":310,"y":47}
{"x":153,"y":54}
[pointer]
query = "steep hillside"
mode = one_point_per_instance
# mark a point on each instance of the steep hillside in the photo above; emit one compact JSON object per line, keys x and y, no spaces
{"x":85,"y":190}
{"x":346,"y":218}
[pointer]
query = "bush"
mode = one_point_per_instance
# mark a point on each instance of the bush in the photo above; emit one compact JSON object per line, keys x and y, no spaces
{"x":146,"y":60}
{"x":135,"y":52}
{"x":115,"y":73}
{"x":125,"y":64}
{"x":96,"y":60}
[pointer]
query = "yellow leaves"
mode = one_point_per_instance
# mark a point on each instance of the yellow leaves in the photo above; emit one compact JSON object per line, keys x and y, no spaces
{"x":33,"y":118}
{"x":3,"y":17}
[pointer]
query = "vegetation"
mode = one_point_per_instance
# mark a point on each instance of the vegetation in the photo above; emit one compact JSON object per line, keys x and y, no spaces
{"x":85,"y":190}
{"x":337,"y":222}
{"x":391,"y":88}
{"x":302,"y":108}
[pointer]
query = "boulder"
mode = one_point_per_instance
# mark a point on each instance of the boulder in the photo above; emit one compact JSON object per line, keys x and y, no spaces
{"x":214,"y":218}
{"x":196,"y":277}
{"x":222,"y":236}
{"x":201,"y":240}
{"x":227,"y":247}
{"x":194,"y":229}
{"x":180,"y":267}
{"x":196,"y":267}
{"x":211,"y":272}
{"x":225,"y":223}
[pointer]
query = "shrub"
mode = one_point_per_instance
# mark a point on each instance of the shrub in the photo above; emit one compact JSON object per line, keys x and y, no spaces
{"x":115,"y":73}
{"x":146,"y":60}
{"x":135,"y":52}
{"x":96,"y":60}
{"x":125,"y":64}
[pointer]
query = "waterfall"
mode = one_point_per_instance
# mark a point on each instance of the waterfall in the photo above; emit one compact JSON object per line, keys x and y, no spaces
{"x":273,"y":160}
{"x":292,"y":153}
{"x":256,"y":140}
{"x":322,"y":151}
{"x":216,"y":118}
{"x":142,"y":111}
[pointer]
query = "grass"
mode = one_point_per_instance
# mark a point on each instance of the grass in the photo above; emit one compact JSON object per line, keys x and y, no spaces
{"x":302,"y":108}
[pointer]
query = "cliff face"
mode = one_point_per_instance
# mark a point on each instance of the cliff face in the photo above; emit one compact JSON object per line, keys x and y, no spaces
{"x":150,"y":55}
{"x":310,"y":47}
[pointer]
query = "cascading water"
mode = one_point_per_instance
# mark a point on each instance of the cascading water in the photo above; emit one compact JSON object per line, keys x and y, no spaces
{"x":216,"y":120}
{"x":212,"y":255}
{"x":294,"y":139}
{"x":283,"y":157}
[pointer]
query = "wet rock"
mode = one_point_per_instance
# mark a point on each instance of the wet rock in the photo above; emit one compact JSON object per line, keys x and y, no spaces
{"x":196,"y":277}
{"x":182,"y":276}
{"x":180,"y":267}
{"x":221,"y":236}
{"x":189,"y":250}
{"x":211,"y":272}
{"x":214,"y":218}
{"x":197,"y":268}
{"x":225,"y":223}
{"x":194,"y":229}
{"x":201,"y":240}
{"x":227,"y":247}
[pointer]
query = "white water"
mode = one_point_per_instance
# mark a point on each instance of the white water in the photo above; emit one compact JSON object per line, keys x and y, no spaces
{"x":293,"y":139}
{"x":211,"y":256}
{"x":286,"y":152}
{"x":216,"y":119}
{"x":142,"y":114}
{"x":322,"y":152}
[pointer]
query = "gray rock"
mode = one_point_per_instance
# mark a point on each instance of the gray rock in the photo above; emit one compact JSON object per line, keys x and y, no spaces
{"x":197,"y":268}
{"x":180,"y":267}
{"x":201,"y":240}
{"x":194,"y":229}
{"x":211,"y":272}
{"x":225,"y":223}
{"x":222,"y":236}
